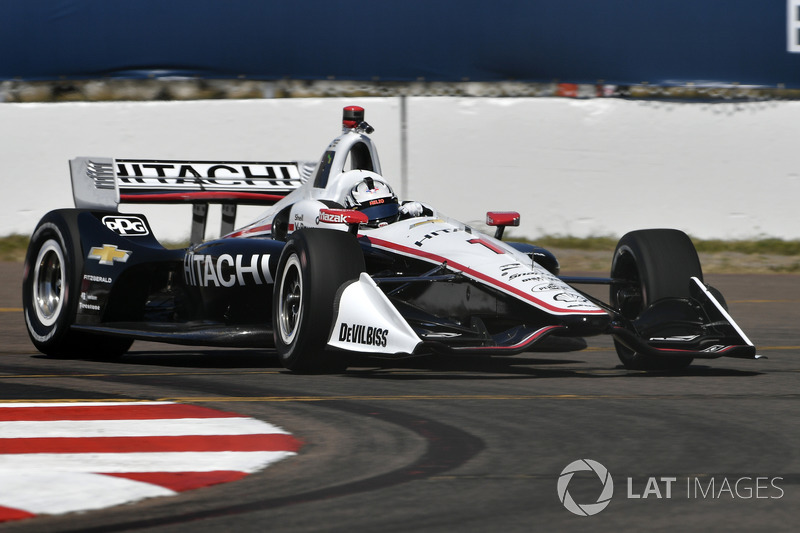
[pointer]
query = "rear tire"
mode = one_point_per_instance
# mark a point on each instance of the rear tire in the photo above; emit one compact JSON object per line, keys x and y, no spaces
{"x":51,"y":291}
{"x":313,"y":266}
{"x":656,"y":264}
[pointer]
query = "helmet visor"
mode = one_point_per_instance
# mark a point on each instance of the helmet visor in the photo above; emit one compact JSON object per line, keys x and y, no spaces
{"x":381,"y":211}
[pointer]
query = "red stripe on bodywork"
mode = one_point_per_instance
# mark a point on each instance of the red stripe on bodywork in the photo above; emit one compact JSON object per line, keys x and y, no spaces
{"x":477,"y":275}
{"x":182,"y":481}
{"x":183,"y":443}
{"x":250,"y":231}
{"x":203,"y":195}
{"x":9,"y":513}
{"x":680,"y":350}
{"x":496,"y":249}
{"x":530,"y":339}
{"x":122,"y":411}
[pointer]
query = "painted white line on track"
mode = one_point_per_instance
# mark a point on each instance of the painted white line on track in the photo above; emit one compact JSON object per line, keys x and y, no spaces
{"x":45,"y":404}
{"x":135,"y":428}
{"x":41,"y":492}
{"x":141,"y":462}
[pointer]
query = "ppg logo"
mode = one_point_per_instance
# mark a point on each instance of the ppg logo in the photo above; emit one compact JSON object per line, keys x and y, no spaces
{"x":127,"y":226}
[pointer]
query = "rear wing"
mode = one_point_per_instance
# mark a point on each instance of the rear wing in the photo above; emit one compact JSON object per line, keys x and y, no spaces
{"x":103,"y":183}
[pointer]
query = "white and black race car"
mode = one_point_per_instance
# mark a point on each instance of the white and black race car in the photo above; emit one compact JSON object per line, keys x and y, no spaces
{"x":337,"y":264}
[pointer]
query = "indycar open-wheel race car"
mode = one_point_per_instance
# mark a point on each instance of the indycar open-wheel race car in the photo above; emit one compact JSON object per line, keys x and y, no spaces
{"x":338,"y":264}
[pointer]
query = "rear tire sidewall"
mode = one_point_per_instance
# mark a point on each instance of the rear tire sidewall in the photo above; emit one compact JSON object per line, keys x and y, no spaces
{"x":53,"y":241}
{"x":313,"y":266}
{"x":58,"y":235}
{"x":659,"y":263}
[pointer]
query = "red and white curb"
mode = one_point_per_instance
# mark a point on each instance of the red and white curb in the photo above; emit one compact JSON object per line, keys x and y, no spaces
{"x":62,"y":457}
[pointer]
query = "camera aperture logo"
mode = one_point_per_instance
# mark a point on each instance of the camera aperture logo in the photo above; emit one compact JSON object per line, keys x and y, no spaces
{"x":585,"y":509}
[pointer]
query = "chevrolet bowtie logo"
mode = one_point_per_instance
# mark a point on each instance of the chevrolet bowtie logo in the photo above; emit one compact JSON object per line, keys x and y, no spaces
{"x":108,"y":254}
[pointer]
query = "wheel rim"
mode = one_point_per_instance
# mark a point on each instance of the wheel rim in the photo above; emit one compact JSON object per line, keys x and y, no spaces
{"x":49,"y":283}
{"x":290,"y":302}
{"x":628,"y":297}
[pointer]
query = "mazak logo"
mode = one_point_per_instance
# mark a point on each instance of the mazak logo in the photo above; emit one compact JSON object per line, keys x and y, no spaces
{"x":127,"y":226}
{"x":341,"y":216}
{"x":332,"y":218}
{"x":585,"y":509}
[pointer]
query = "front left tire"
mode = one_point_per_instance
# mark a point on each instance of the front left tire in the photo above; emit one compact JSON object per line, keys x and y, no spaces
{"x":313,"y":266}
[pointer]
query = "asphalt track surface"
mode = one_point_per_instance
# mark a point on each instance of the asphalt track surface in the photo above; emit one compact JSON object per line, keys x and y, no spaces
{"x":469,"y":445}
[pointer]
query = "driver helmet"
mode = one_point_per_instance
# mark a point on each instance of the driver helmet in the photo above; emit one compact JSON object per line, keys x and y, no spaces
{"x":376,"y":199}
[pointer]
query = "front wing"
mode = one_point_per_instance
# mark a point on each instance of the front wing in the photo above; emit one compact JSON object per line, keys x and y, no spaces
{"x":699,"y":327}
{"x":366,"y":321}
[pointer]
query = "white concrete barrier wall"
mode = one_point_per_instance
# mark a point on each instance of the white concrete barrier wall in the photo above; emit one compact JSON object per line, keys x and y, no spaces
{"x":570,"y":167}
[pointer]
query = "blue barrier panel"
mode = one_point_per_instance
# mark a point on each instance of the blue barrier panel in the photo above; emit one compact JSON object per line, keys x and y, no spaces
{"x":579,"y":41}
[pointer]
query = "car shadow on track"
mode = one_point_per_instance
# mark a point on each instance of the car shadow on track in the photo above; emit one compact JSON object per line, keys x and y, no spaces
{"x":517,"y":367}
{"x":205,"y":358}
{"x":529,"y":365}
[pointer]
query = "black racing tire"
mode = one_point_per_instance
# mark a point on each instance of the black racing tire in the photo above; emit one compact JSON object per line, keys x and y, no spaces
{"x":51,"y":286}
{"x":655,"y":264}
{"x":313,"y":266}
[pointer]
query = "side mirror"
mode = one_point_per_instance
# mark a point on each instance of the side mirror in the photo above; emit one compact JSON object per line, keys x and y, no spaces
{"x":501,"y":219}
